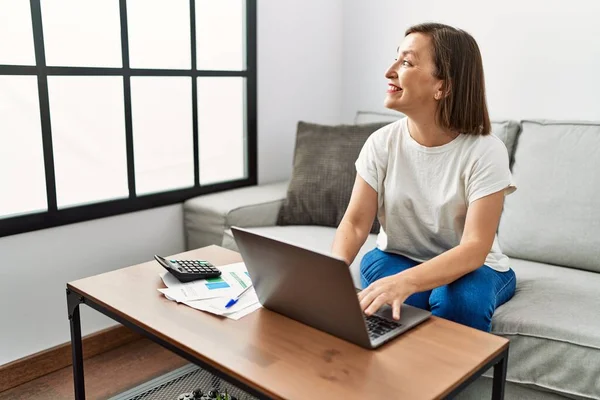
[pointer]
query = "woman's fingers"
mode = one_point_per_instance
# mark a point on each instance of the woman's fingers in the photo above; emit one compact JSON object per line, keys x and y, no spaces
{"x":363,"y":293}
{"x":396,"y":310}
{"x":376,"y":304}
{"x":367,"y":299}
{"x":379,"y":293}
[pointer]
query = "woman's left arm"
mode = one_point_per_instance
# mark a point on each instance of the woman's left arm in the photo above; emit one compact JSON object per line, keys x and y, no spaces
{"x":483,"y":217}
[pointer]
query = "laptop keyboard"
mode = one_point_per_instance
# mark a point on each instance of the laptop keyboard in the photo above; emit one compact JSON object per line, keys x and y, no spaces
{"x":378,"y":326}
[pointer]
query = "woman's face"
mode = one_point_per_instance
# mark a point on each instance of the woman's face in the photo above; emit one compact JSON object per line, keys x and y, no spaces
{"x":412,"y":86}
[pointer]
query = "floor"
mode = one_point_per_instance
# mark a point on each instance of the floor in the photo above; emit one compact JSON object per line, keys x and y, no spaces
{"x":106,"y":374}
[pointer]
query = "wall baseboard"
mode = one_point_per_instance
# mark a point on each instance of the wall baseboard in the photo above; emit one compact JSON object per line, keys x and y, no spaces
{"x":39,"y":364}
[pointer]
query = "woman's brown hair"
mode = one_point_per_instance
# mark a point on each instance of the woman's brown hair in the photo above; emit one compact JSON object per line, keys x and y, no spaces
{"x":458,"y":63}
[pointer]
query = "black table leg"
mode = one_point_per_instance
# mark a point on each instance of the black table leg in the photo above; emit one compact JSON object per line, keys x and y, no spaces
{"x":73,"y":301}
{"x":500,"y":377}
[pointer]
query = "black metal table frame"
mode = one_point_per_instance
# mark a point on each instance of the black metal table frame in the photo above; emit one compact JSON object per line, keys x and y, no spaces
{"x":74,"y":299}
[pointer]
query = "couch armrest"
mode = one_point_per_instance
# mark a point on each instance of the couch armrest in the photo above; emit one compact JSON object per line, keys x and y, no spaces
{"x":207,"y":217}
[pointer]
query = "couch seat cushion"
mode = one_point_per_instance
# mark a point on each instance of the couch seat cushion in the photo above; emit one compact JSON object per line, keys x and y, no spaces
{"x":553,"y":323}
{"x":319,"y":238}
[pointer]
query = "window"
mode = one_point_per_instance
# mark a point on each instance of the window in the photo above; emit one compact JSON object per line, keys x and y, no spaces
{"x":114,"y":106}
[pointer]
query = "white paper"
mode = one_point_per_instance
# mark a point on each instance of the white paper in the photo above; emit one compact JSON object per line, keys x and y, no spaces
{"x":248,"y":299}
{"x":245,"y":311}
{"x":234,"y":278}
{"x":232,"y":313}
{"x":212,"y":295}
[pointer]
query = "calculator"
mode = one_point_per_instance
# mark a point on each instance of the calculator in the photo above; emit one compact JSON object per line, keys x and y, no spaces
{"x":189,"y":270}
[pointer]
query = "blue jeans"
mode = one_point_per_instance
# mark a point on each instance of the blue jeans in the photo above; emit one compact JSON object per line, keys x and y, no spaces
{"x":470,"y":300}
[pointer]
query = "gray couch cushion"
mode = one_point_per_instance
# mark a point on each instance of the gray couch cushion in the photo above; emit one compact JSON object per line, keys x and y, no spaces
{"x":319,"y":238}
{"x":324,"y":173}
{"x":507,"y":131}
{"x":553,"y":324}
{"x":206,"y":217}
{"x":367,"y":117}
{"x":554,"y":216}
{"x":482,"y":389}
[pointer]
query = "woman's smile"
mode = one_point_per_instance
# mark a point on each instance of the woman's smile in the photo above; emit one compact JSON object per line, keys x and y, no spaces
{"x":393,"y":88}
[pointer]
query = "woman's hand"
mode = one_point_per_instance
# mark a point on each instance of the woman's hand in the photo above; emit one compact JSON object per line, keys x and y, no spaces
{"x":392,"y":290}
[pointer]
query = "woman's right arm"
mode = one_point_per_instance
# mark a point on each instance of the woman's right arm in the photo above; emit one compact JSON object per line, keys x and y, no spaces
{"x":356,"y":224}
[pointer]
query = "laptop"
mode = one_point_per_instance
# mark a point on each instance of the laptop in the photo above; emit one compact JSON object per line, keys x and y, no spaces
{"x":317,"y":290}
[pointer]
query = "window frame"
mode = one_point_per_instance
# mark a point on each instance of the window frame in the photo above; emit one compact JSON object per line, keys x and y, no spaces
{"x":53,"y":217}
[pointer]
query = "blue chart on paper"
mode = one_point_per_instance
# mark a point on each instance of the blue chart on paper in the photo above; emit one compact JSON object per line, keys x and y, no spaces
{"x":216,"y":283}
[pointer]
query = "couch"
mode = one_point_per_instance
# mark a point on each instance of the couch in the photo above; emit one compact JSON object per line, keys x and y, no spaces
{"x":550,"y":227}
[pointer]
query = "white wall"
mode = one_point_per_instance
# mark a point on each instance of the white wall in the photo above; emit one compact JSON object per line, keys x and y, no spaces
{"x":299,"y":64}
{"x":299,"y":76}
{"x":541,"y":58}
{"x":36,"y":266}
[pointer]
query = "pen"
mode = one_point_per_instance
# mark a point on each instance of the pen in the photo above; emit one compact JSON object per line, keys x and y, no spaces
{"x":236,"y":298}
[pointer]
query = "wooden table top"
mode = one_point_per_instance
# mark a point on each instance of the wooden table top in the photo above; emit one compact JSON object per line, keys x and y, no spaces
{"x":287,"y":359}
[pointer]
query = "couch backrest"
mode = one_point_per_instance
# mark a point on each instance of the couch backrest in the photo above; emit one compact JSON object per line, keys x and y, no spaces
{"x":554,"y":216}
{"x":367,"y":117}
{"x":506,"y":130}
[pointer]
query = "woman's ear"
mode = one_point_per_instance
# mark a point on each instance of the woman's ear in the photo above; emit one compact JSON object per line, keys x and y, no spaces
{"x":442,"y":90}
{"x":446,"y":89}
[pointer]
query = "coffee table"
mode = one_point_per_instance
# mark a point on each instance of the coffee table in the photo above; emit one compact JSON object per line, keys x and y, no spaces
{"x":271,"y":356}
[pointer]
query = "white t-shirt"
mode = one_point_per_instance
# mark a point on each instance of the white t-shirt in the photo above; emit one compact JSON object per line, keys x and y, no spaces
{"x":424,"y":192}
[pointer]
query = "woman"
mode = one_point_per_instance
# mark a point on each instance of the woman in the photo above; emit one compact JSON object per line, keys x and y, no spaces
{"x":436,"y":181}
